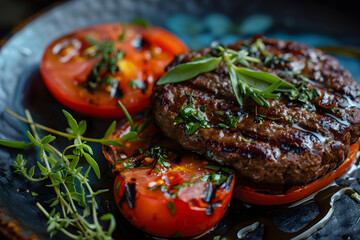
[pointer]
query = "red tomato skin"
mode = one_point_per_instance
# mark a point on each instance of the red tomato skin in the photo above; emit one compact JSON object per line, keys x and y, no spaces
{"x":153,"y":216}
{"x":62,"y":79}
{"x":169,"y":200}
{"x":250,"y":195}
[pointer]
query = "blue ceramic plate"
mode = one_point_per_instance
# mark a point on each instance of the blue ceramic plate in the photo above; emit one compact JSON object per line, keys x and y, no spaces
{"x":198,"y":23}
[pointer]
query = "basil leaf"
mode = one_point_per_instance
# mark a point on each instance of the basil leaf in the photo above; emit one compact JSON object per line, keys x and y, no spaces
{"x":189,"y":70}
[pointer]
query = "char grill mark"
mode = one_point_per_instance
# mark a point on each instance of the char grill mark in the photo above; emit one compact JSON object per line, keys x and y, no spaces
{"x":269,"y":142}
{"x":276,"y":151}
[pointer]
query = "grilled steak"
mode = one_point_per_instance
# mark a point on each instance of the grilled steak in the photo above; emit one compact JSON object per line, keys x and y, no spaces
{"x":288,"y":143}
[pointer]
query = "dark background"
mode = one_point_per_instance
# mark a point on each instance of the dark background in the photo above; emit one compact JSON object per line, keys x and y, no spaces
{"x":341,"y":15}
{"x":14,"y":13}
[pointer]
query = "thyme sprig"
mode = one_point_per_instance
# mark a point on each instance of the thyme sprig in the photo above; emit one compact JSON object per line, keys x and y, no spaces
{"x":245,"y":82}
{"x":74,"y":208}
{"x":72,"y":133}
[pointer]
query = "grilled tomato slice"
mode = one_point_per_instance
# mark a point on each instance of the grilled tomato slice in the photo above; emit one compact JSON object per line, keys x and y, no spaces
{"x":92,"y":68}
{"x":163,"y":191}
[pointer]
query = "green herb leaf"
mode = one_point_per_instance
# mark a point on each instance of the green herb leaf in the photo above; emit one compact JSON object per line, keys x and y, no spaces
{"x":189,"y":70}
{"x":223,"y":125}
{"x":43,"y":170}
{"x":47,"y":139}
{"x":111,"y":142}
{"x":71,"y":121}
{"x":212,"y":167}
{"x":110,"y":129}
{"x":34,"y":194}
{"x":82,"y":128}
{"x":74,"y":163}
{"x":192,"y":118}
{"x":171,"y":206}
{"x":32,"y":139}
{"x":15,"y":144}
{"x":127,"y":114}
{"x":93,"y":164}
{"x":112,"y":225}
{"x":122,"y":35}
{"x":265,"y":77}
{"x":261,"y":47}
{"x":235,"y":85}
{"x":31,"y":171}
{"x":129,"y":136}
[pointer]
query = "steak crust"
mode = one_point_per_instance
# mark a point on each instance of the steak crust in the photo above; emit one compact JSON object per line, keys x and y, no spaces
{"x":292,"y":144}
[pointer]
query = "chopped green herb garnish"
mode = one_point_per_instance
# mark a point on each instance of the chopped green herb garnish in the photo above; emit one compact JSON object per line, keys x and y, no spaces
{"x":121,"y":37}
{"x":34,"y":194}
{"x":157,"y":154}
{"x":102,"y":73}
{"x":190,"y":96}
{"x":212,"y":167}
{"x":222,"y":125}
{"x":258,"y":118}
{"x":192,"y":118}
{"x":303,"y":94}
{"x":231,"y":121}
{"x":178,"y":187}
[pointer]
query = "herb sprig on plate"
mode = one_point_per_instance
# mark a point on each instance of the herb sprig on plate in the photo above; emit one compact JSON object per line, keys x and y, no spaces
{"x":74,"y":207}
{"x":245,"y":82}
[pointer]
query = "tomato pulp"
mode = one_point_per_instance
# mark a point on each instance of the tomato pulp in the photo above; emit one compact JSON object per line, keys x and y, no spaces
{"x":166,"y":192}
{"x":68,"y":61}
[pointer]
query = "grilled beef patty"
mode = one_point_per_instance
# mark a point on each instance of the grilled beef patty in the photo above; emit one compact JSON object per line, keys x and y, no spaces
{"x":285,"y":144}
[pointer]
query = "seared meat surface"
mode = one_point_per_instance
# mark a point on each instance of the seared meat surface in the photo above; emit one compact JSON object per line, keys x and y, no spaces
{"x":288,"y":143}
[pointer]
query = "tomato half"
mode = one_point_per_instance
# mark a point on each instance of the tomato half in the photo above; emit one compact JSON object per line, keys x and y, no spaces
{"x":69,"y":60}
{"x":255,"y":196}
{"x":165,"y":192}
